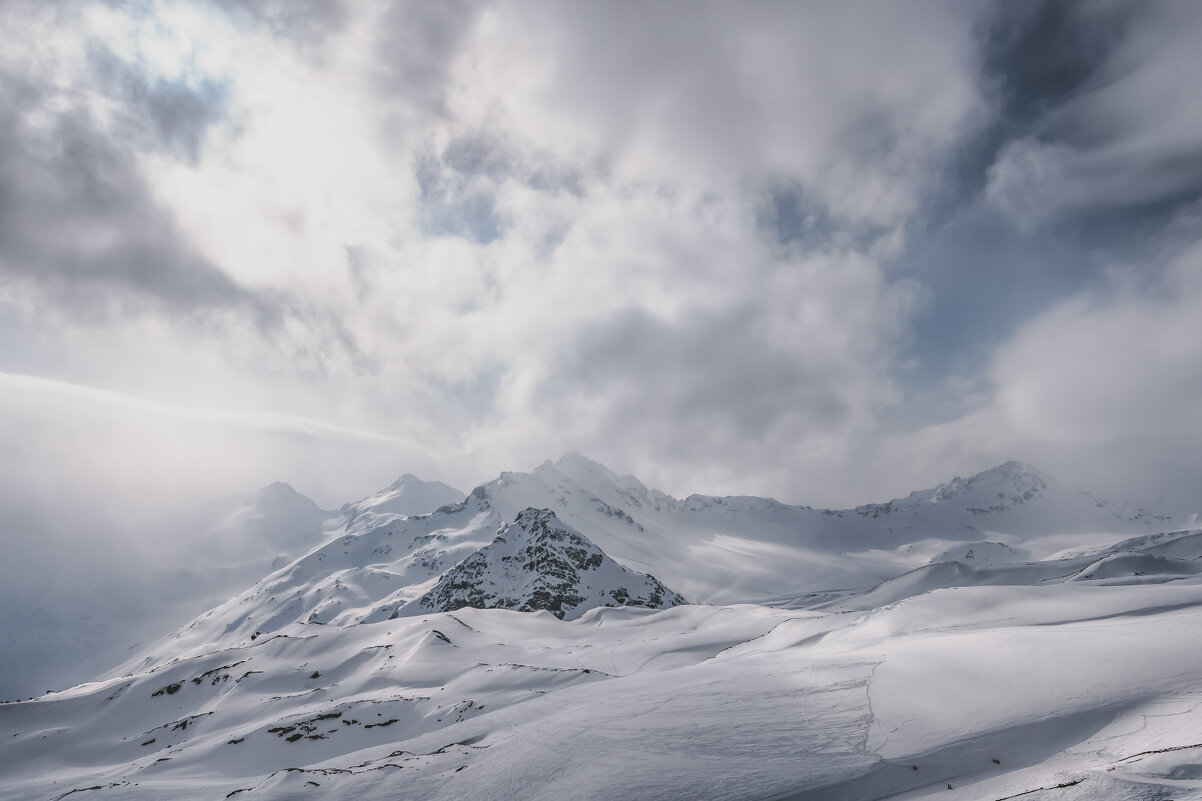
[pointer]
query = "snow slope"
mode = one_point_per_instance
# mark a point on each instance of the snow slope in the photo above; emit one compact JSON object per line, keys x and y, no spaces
{"x":995,"y":691}
{"x":1021,"y":640}
{"x":1138,"y":561}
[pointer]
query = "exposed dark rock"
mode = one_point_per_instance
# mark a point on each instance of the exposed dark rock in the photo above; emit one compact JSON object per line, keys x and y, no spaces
{"x":539,"y":563}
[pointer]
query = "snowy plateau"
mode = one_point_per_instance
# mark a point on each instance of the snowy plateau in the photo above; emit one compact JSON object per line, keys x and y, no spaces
{"x":569,"y":633}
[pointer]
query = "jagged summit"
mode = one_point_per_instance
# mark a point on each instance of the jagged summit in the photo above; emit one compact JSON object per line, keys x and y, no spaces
{"x":538,"y":562}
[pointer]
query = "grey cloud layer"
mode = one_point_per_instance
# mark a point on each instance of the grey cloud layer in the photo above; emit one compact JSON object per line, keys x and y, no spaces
{"x":1126,"y":138}
{"x":77,"y":220}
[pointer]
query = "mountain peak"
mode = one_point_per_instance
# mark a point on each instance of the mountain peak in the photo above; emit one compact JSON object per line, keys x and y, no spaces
{"x":277,"y":489}
{"x":574,"y":458}
{"x":537,"y":562}
{"x":532,"y":519}
{"x":1017,"y":481}
{"x":1012,"y":469}
{"x":409,"y":495}
{"x":406,"y":480}
{"x":576,"y":465}
{"x":279,"y":496}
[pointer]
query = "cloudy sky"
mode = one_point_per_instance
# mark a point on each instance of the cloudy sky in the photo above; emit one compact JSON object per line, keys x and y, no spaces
{"x":824,"y":252}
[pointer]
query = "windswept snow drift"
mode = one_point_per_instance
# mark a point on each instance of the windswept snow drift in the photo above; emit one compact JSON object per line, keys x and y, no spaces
{"x":1061,"y":684}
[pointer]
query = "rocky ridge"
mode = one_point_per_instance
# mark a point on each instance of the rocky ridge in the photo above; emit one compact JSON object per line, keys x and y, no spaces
{"x":537,"y":562}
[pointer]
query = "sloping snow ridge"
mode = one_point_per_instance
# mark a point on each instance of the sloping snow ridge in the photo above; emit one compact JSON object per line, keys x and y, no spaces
{"x":995,"y":637}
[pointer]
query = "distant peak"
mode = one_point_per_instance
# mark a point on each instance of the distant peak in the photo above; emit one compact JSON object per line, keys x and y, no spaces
{"x":280,"y":492}
{"x":279,"y":496}
{"x":1013,"y":478}
{"x":281,"y":488}
{"x":577,"y":466}
{"x":578,"y":459}
{"x":1011,"y":469}
{"x":406,"y":480}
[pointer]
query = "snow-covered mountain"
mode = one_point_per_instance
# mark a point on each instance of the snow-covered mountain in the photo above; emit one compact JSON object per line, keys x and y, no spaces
{"x":202,"y":556}
{"x":709,"y":549}
{"x":736,"y":549}
{"x":408,"y":495}
{"x":69,"y":631}
{"x":536,"y":562}
{"x":997,"y":636}
{"x":258,"y":532}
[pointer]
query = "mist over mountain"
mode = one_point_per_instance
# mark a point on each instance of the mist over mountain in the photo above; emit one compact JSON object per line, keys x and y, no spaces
{"x":73,"y":625}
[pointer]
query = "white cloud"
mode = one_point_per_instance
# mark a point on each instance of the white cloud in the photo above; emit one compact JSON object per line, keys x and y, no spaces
{"x":506,"y":231}
{"x":1099,"y":390}
{"x":623,"y":163}
{"x":702,"y":97}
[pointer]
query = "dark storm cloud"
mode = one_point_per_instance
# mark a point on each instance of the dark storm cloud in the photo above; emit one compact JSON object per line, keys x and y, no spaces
{"x":1088,"y":126}
{"x":1093,"y":160}
{"x":1039,"y":55}
{"x":1098,"y":123}
{"x":78,"y":221}
{"x":1033,"y":57}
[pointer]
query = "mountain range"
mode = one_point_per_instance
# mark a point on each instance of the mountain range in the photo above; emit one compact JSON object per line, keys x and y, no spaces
{"x":571,"y":633}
